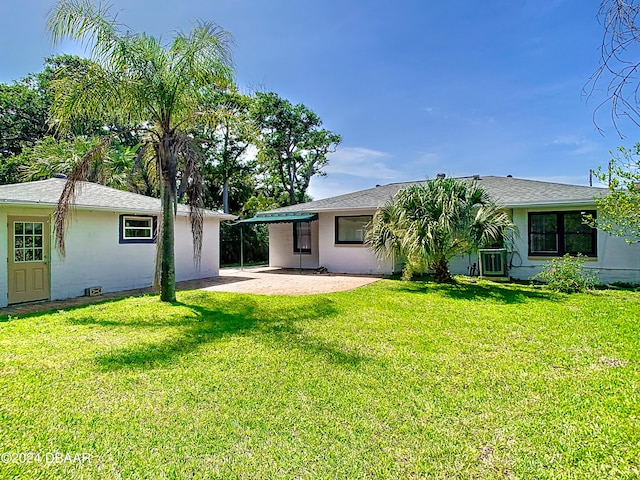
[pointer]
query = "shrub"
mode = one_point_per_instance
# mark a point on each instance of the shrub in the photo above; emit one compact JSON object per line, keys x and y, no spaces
{"x":567,"y":274}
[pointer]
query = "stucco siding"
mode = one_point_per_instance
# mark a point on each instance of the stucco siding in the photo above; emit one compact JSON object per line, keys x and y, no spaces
{"x":4,"y":274}
{"x":340,"y":258}
{"x":616,"y":261}
{"x":95,"y":256}
{"x":281,"y":253}
{"x":210,"y":258}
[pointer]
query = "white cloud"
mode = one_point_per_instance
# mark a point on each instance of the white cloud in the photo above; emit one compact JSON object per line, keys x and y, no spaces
{"x":577,"y":144}
{"x":571,"y":140}
{"x":362,"y":162}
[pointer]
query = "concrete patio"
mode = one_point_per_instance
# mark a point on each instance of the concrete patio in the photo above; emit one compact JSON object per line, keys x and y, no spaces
{"x":256,"y":280}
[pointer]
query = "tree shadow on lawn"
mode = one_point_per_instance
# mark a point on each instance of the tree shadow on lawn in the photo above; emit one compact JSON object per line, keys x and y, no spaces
{"x":504,"y":293}
{"x":211,"y":318}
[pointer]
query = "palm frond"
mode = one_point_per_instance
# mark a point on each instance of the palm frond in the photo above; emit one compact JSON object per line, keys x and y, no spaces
{"x":432,"y":222}
{"x":90,"y":24}
{"x":193,"y":177}
{"x":70,"y":190}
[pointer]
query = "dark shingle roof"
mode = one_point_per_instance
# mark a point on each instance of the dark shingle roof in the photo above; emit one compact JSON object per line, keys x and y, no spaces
{"x":506,"y":191}
{"x":90,"y":196}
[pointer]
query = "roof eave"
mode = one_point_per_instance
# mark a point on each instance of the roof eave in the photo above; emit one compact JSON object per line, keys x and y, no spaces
{"x":31,"y":204}
{"x":552,"y":203}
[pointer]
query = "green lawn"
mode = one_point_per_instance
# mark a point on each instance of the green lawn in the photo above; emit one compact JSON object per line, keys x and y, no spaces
{"x":393,"y":380}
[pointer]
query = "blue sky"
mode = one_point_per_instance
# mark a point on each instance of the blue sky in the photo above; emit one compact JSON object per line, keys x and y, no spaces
{"x":414,"y":87}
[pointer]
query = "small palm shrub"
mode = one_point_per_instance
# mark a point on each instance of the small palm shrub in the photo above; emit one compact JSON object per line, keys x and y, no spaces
{"x":567,"y":274}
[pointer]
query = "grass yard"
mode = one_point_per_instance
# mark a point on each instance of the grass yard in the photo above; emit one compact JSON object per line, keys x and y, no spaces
{"x":392,"y":380}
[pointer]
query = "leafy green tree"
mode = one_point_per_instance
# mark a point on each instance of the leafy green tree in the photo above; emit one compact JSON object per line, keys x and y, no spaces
{"x":158,"y":90}
{"x":428,"y":224}
{"x":25,"y":106}
{"x":293,"y":148}
{"x":619,"y":212}
{"x":23,"y":116}
{"x":50,"y":156}
{"x":9,"y":170}
{"x":226,"y":143}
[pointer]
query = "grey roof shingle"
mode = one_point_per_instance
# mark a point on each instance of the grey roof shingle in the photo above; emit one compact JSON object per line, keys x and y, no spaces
{"x":90,"y":196}
{"x":507,"y":191}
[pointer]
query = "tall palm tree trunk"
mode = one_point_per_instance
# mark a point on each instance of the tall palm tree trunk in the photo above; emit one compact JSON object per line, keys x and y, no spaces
{"x":225,"y":195}
{"x":168,"y":163}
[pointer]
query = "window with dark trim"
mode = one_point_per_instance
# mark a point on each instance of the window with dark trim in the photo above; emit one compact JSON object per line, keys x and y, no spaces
{"x":557,"y":233}
{"x":302,"y":237}
{"x":351,"y":229}
{"x":138,"y":229}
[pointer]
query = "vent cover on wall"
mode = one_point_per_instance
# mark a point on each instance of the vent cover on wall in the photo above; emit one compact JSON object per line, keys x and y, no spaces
{"x":93,"y":291}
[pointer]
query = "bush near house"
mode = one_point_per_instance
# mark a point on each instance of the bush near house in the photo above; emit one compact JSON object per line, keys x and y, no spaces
{"x":567,"y":274}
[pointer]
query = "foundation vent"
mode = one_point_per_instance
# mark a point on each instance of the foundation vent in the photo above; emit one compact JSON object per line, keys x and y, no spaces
{"x":93,"y":291}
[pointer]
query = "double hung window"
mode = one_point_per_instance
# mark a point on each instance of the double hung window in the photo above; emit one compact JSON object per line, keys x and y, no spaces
{"x":557,"y":233}
{"x":302,"y":237}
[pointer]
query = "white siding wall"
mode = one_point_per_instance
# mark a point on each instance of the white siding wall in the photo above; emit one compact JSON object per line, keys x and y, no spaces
{"x":4,"y":274}
{"x":210,"y":259}
{"x":459,"y":265}
{"x":339,"y":258}
{"x":281,"y":247}
{"x":96,"y":258}
{"x":617,"y":261}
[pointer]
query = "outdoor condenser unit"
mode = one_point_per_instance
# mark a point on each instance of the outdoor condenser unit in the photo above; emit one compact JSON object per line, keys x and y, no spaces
{"x":493,"y":263}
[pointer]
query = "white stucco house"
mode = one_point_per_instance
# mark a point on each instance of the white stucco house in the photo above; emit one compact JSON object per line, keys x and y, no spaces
{"x":110,"y":242}
{"x":329,"y":232}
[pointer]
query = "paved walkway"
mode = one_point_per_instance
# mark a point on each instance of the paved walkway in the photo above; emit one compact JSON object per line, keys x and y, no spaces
{"x":260,"y":280}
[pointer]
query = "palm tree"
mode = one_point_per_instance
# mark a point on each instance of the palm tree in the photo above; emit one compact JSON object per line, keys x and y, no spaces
{"x":427,"y":224}
{"x":158,"y":90}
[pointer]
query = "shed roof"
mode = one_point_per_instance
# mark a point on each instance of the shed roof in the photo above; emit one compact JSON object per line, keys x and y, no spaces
{"x":90,"y":196}
{"x":508,"y":192}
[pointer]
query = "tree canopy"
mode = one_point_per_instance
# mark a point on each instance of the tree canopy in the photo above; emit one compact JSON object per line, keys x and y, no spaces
{"x":619,"y":212}
{"x":293,"y":146}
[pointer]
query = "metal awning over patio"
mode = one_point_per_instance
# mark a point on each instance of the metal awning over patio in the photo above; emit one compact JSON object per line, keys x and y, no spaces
{"x":284,"y":217}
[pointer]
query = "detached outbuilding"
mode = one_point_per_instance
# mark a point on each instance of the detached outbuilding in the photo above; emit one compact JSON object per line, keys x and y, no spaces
{"x":110,"y":242}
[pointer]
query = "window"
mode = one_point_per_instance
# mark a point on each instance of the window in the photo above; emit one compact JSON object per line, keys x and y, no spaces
{"x":557,"y":233}
{"x":351,"y":230}
{"x":302,"y":237}
{"x":28,"y":238}
{"x":137,"y":229}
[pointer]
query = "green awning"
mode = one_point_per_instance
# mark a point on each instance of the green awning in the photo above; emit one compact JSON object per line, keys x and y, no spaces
{"x":283,"y":217}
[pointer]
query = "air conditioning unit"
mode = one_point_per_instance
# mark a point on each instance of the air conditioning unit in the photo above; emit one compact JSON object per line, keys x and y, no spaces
{"x":493,"y":264}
